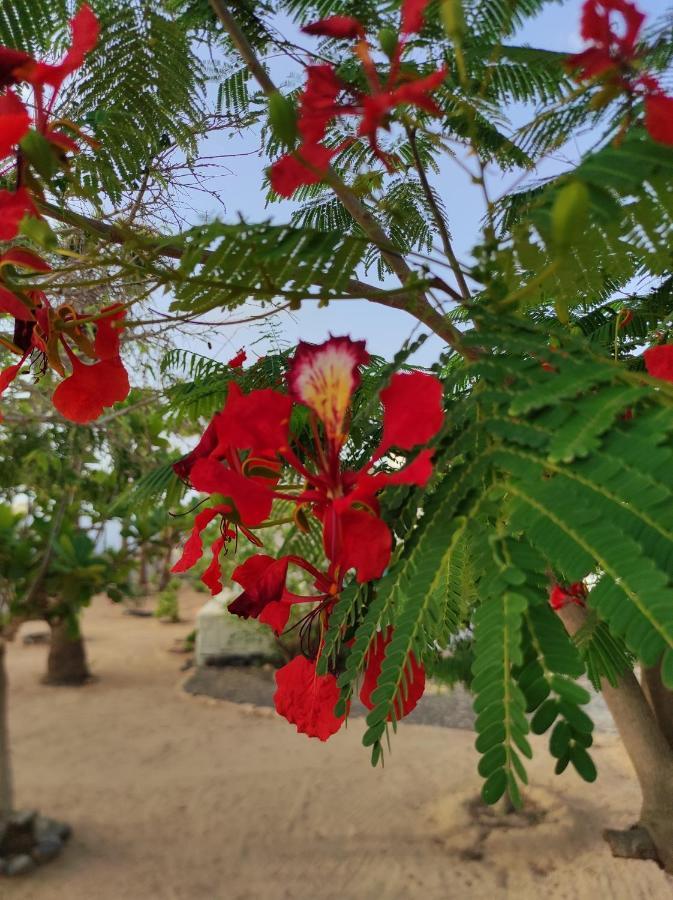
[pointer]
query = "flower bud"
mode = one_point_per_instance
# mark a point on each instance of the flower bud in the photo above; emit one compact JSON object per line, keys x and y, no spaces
{"x":569,"y":214}
{"x":388,"y":41}
{"x":283,"y":119}
{"x":453,"y":18}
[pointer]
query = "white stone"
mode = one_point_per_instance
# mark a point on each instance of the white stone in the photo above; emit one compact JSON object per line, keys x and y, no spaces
{"x":218,"y":632}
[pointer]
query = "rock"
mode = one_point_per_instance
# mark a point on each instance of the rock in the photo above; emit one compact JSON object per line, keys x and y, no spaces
{"x":140,"y":613}
{"x":46,"y":849}
{"x":223,"y":639}
{"x":21,"y":864}
{"x":45,"y":827}
{"x":23,"y":819}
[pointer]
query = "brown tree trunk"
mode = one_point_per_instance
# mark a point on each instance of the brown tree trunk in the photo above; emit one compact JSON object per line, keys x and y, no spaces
{"x":66,"y":663}
{"x":651,"y":756}
{"x":660,"y":699}
{"x":166,"y":569}
{"x":6,"y":783}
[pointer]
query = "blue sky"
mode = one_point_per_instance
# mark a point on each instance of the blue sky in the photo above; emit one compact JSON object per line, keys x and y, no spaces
{"x":384,"y":329}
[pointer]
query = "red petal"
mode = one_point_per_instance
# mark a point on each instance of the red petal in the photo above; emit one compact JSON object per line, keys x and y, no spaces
{"x":659,"y":361}
{"x":84,"y":28}
{"x":275,"y":615}
{"x":83,"y":395}
{"x":356,"y":539}
{"x":413,"y":12}
{"x":193,"y":549}
{"x":24,"y":259}
{"x":323,"y":377}
{"x":14,"y":205}
{"x":258,"y":421}
{"x":205,"y":447}
{"x":413,"y":683}
{"x":317,"y":104}
{"x":14,"y":122}
{"x":213,"y":574}
{"x":106,"y":344}
{"x":263,"y":581}
{"x":11,"y":304}
{"x":418,"y":472}
{"x":561,"y":596}
{"x":335,"y":27}
{"x":415,"y":92}
{"x":252,"y":501}
{"x":307,"y":165}
{"x":659,"y":117}
{"x":413,"y":412}
{"x":307,"y":699}
{"x":236,"y":361}
{"x":9,"y":61}
{"x":8,"y":375}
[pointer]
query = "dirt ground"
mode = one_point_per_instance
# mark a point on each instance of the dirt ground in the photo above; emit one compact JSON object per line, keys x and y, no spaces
{"x":175,"y":797}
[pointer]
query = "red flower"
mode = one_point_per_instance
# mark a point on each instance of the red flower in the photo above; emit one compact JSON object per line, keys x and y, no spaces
{"x":413,"y":682}
{"x":335,"y":27}
{"x":413,"y":13}
{"x":560,"y":596}
{"x":84,"y":394}
{"x":324,"y":378}
{"x":14,"y":206}
{"x":609,"y":49}
{"x":659,"y":117}
{"x":306,"y":165}
{"x":659,"y":361}
{"x":14,"y":122}
{"x":307,"y":699}
{"x":377,"y":106}
{"x":84,"y":28}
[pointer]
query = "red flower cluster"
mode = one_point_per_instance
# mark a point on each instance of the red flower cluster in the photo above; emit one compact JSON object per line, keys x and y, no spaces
{"x":40,"y":329}
{"x":318,"y":104}
{"x":613,"y":56}
{"x":560,"y":596}
{"x":238,"y":462}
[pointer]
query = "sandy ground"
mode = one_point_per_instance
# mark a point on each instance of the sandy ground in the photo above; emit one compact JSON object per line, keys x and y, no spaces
{"x":185,"y":798}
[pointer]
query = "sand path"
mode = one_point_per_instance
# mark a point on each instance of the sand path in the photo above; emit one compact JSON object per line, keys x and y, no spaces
{"x":181,"y":798}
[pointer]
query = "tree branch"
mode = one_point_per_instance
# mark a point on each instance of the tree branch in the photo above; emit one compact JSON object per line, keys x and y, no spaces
{"x":417,"y":306}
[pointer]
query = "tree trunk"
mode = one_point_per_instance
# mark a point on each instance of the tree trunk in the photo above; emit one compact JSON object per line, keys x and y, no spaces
{"x":651,"y":756}
{"x":6,"y":784}
{"x":660,"y":699}
{"x":143,"y":575}
{"x":166,"y":569}
{"x":66,"y":663}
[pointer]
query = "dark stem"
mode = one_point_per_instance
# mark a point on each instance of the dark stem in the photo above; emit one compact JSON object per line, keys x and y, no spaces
{"x":438,"y":217}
